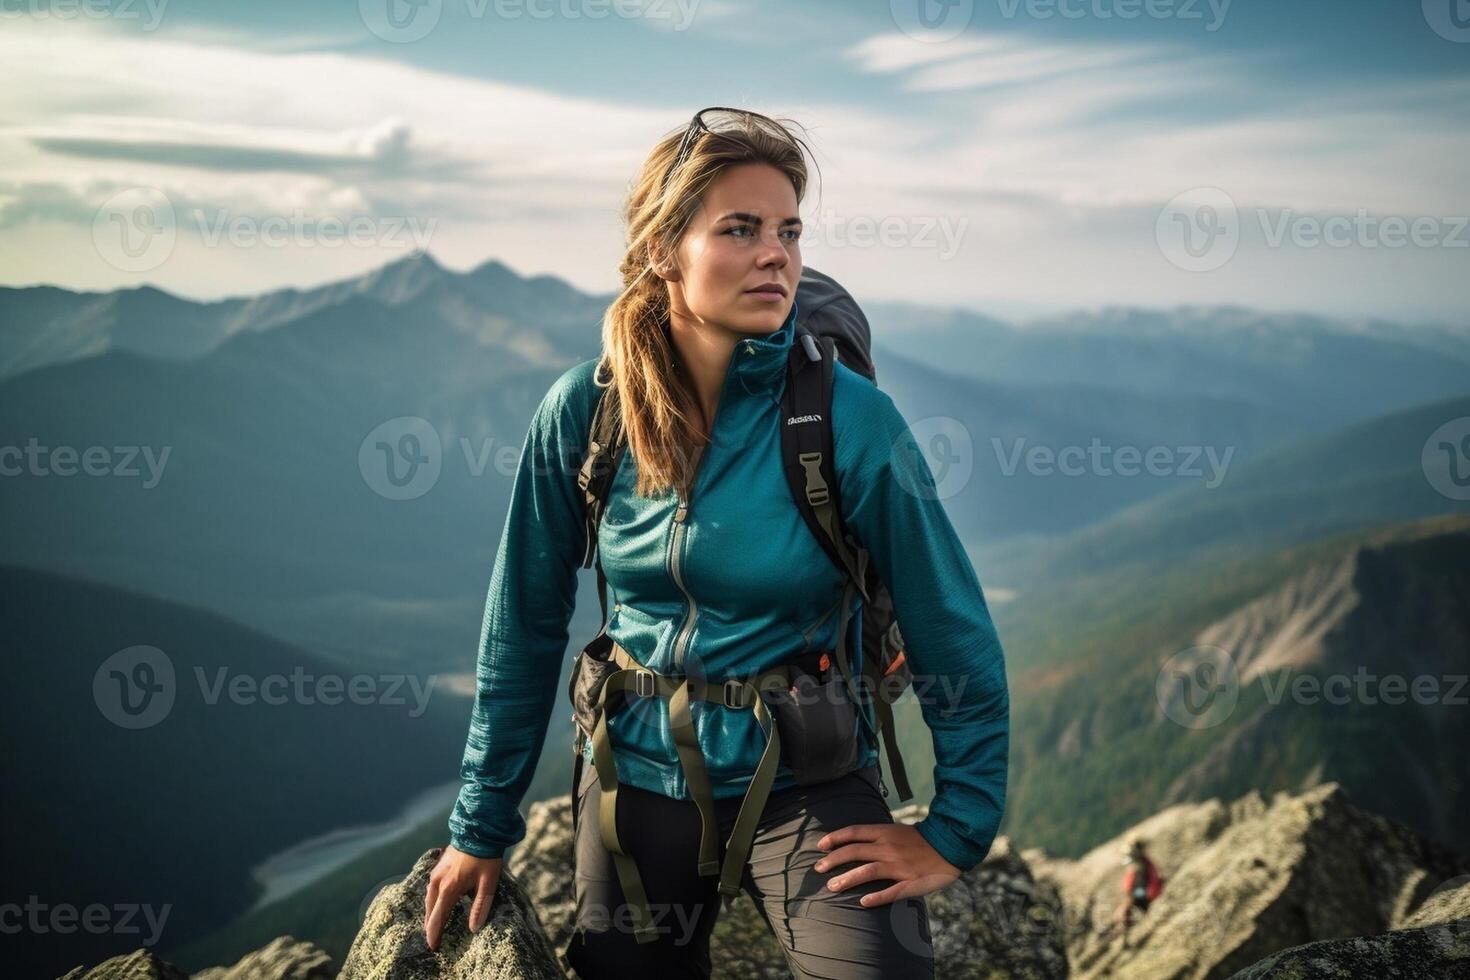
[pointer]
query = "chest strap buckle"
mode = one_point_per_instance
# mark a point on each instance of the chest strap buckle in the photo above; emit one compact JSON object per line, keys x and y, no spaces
{"x":643,"y":683}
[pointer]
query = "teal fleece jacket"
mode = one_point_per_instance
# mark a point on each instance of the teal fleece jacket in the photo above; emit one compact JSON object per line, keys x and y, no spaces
{"x":756,"y":590}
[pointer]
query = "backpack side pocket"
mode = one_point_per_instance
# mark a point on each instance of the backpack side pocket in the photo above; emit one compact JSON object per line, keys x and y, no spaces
{"x":818,"y":726}
{"x":590,"y":672}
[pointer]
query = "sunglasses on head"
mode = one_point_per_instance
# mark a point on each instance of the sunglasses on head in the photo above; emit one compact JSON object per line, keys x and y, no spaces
{"x":719,"y":119}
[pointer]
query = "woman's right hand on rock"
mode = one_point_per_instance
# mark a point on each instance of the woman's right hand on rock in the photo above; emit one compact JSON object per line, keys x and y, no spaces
{"x":457,"y":874}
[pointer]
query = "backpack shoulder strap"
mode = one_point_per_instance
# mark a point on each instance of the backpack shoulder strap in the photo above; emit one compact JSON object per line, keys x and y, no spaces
{"x":606,"y":443}
{"x":808,"y":456}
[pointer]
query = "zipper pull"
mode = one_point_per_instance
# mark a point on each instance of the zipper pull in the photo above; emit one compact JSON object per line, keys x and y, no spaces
{"x":882,"y":785}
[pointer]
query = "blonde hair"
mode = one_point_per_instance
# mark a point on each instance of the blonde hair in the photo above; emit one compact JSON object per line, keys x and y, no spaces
{"x":638,"y":358}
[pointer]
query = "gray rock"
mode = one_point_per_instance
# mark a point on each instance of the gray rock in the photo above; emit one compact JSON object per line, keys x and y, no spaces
{"x":391,"y":944}
{"x":1247,"y":880}
{"x":994,"y":921}
{"x":283,"y":958}
{"x":1304,"y":886}
{"x":1439,"y":951}
{"x":140,"y":964}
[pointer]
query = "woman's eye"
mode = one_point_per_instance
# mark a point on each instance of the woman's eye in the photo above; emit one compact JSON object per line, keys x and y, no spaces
{"x":744,"y":231}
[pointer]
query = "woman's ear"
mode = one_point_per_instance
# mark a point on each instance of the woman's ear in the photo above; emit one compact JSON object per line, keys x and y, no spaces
{"x":664,"y":266}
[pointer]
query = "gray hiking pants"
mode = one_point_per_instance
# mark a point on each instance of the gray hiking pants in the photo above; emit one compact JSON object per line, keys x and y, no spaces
{"x":822,"y":933}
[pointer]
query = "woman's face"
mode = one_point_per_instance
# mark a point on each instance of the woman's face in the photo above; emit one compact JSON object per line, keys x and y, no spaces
{"x":745,"y":234}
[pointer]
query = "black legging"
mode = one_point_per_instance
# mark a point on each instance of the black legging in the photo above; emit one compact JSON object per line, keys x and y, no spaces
{"x":823,"y":933}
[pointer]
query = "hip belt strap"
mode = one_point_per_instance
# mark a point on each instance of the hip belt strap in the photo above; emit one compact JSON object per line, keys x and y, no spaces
{"x":635,"y":680}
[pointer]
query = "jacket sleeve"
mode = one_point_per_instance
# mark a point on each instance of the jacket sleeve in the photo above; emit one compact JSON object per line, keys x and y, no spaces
{"x":528,"y":610}
{"x":890,"y":502}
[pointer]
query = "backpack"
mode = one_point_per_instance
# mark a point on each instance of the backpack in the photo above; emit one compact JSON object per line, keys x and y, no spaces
{"x":830,"y":328}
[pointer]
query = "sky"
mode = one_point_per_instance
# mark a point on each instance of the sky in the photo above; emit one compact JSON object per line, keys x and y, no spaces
{"x":1015,"y":157}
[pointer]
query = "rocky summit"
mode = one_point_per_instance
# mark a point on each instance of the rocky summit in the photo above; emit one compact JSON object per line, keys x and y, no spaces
{"x":1298,"y":886}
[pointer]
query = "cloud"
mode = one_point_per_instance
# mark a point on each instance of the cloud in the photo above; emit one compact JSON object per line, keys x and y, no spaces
{"x":1048,"y":160}
{"x":1103,"y":125}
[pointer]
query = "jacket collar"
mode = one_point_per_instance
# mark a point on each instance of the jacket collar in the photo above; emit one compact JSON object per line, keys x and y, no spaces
{"x":760,"y":362}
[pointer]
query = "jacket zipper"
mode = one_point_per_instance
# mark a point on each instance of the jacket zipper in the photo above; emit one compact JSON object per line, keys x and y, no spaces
{"x":676,"y":564}
{"x":680,"y":529}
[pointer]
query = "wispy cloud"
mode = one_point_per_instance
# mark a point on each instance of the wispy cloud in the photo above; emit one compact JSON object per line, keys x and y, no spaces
{"x":1047,"y":159}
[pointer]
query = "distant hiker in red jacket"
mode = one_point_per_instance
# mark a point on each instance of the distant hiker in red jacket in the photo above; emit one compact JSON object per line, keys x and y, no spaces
{"x":1142,"y":883}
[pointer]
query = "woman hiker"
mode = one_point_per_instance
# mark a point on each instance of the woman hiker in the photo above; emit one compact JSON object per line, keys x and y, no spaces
{"x":699,"y":776}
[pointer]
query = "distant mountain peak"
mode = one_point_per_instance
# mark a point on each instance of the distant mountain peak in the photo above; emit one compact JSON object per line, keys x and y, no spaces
{"x":1349,"y":610}
{"x":404,"y":279}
